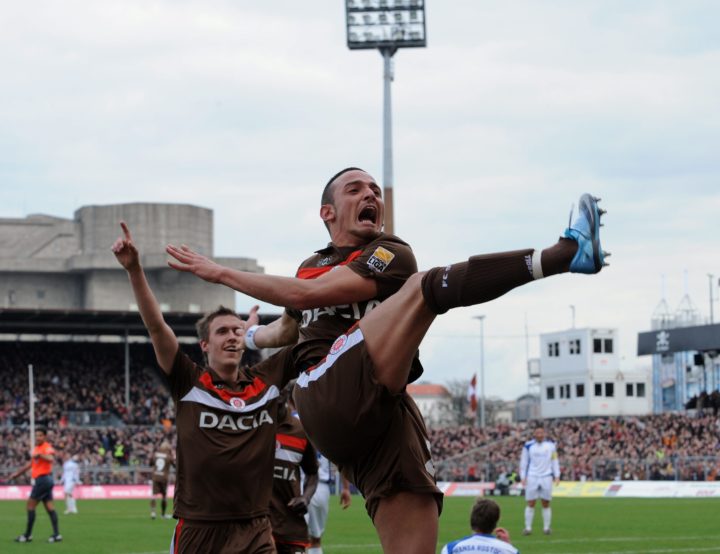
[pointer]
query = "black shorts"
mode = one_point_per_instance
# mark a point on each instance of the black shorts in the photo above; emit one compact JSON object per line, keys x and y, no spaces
{"x":223,"y":537}
{"x":43,"y":488}
{"x":377,"y":439}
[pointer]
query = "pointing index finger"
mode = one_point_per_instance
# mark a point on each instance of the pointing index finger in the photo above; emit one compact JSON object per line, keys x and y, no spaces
{"x":126,"y":231}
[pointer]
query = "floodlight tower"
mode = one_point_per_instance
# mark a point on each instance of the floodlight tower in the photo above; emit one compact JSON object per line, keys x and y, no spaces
{"x":386,"y":25}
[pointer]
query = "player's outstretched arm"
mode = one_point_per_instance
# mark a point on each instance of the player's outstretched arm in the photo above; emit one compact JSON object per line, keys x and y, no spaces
{"x":163,"y":339}
{"x":340,"y":286}
{"x":281,"y":332}
{"x":20,"y":471}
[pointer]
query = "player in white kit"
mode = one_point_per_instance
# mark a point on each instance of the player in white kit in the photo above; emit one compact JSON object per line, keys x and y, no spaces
{"x":70,"y":478}
{"x":539,"y":469}
{"x":320,"y":503}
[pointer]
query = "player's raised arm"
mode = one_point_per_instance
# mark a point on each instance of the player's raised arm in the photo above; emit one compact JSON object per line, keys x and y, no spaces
{"x":340,"y":286}
{"x":163,"y":339}
{"x":345,"y":496}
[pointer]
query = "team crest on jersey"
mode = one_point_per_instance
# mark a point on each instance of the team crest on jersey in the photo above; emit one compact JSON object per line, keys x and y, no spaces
{"x":380,"y":259}
{"x":338,"y":344}
{"x":237,"y":403}
{"x":325,"y":261}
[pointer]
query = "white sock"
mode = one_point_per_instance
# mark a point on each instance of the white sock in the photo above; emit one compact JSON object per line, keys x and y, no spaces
{"x":71,"y":504}
{"x":529,"y":514}
{"x":547,"y":516}
{"x":537,"y":271}
{"x":315,"y":550}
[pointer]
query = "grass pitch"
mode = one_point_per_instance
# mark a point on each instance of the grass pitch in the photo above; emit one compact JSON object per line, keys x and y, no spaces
{"x":580,"y":526}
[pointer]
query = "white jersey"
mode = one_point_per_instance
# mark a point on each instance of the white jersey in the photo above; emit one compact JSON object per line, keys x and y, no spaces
{"x":325,"y":474}
{"x":539,"y":459}
{"x":486,"y":544}
{"x":71,"y":473}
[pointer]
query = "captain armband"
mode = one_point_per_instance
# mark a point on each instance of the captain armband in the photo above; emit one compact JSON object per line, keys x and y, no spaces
{"x":250,"y":337}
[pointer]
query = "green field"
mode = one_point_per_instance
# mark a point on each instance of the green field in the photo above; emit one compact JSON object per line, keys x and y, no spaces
{"x":581,"y":526}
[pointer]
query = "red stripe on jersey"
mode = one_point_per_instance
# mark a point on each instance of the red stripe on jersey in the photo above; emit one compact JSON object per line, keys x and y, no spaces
{"x":315,"y":272}
{"x":292,"y":442}
{"x":254,"y":389}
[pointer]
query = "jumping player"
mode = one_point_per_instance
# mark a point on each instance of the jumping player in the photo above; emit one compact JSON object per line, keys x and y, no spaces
{"x":351,"y":393}
{"x":225,"y":417}
{"x":290,"y":500}
{"x":163,"y":458}
{"x":539,"y":470}
{"x":40,"y":465}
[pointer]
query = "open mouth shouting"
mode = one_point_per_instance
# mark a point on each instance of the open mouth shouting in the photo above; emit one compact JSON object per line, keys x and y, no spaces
{"x":369,"y":214}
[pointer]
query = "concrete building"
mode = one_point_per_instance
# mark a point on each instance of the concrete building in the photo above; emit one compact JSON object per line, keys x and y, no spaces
{"x":434,"y":402}
{"x":685,"y":351}
{"x":49,"y":262}
{"x":580,"y":376}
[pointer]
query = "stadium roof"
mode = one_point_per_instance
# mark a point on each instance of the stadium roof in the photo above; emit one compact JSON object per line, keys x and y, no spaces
{"x":86,"y":322}
{"x":427,"y":389}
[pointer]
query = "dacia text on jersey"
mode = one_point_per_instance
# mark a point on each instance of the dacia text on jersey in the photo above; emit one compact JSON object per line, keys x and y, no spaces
{"x":210,"y":420}
{"x":347,"y":311}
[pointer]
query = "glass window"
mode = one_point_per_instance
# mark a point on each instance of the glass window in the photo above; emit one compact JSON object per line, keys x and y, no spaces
{"x":550,"y":393}
{"x":629,"y":389}
{"x":640,"y":390}
{"x":608,"y":346}
{"x":609,"y":390}
{"x":597,"y":346}
{"x":598,"y":389}
{"x":580,"y":390}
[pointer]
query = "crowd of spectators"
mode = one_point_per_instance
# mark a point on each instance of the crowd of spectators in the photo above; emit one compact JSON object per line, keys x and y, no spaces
{"x":88,"y":378}
{"x":683,"y":446}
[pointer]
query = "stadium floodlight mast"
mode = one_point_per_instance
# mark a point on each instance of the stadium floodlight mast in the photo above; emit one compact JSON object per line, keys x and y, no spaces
{"x":386,"y":25}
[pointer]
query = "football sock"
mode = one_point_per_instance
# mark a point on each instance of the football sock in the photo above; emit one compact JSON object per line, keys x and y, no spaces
{"x":557,"y":258}
{"x":153,"y":503}
{"x":30,"y":522}
{"x":163,"y":505}
{"x":54,"y":521}
{"x":547,"y":516}
{"x":315,"y":550}
{"x":480,"y":279}
{"x":529,"y":513}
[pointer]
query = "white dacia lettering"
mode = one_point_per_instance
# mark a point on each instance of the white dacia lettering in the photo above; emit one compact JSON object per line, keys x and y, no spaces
{"x":209,"y":420}
{"x":285,"y":473}
{"x":346,"y":311}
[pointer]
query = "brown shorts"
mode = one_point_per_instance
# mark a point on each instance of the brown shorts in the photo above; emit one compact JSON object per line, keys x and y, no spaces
{"x":252,"y":536}
{"x":378,"y":439}
{"x":159,"y":487}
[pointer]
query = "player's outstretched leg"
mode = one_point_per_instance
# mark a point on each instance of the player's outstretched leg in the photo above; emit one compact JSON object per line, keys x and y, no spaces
{"x":393,"y":331}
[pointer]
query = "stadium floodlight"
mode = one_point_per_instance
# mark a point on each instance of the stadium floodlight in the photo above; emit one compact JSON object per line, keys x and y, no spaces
{"x":386,"y":25}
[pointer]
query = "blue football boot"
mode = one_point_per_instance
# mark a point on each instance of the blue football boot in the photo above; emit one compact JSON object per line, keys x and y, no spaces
{"x":585,"y":230}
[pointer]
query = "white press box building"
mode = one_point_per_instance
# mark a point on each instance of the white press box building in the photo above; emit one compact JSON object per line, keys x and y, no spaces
{"x":580,"y":376}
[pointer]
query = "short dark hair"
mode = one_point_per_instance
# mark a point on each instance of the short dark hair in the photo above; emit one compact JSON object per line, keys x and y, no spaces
{"x":41,"y":430}
{"x":203,"y":325}
{"x":327,"y":197}
{"x":484,"y":516}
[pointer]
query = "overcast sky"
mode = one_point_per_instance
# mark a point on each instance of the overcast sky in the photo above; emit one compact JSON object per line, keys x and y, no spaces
{"x":512,"y":111}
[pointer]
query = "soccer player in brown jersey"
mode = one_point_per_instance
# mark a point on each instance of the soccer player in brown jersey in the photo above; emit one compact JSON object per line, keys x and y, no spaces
{"x":163,"y":458}
{"x":225,"y":417}
{"x":290,"y":500}
{"x":351,"y":393}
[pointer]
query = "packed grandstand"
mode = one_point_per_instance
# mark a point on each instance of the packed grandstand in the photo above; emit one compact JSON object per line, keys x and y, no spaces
{"x":80,"y":397}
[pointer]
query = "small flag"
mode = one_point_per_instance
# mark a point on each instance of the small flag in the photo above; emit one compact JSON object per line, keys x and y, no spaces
{"x":472,"y":394}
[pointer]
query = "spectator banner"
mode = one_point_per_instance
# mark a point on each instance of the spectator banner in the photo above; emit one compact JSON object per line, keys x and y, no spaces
{"x":581,"y":489}
{"x":86,"y":492}
{"x":664,"y":489}
{"x":599,"y":489}
{"x":477,"y":488}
